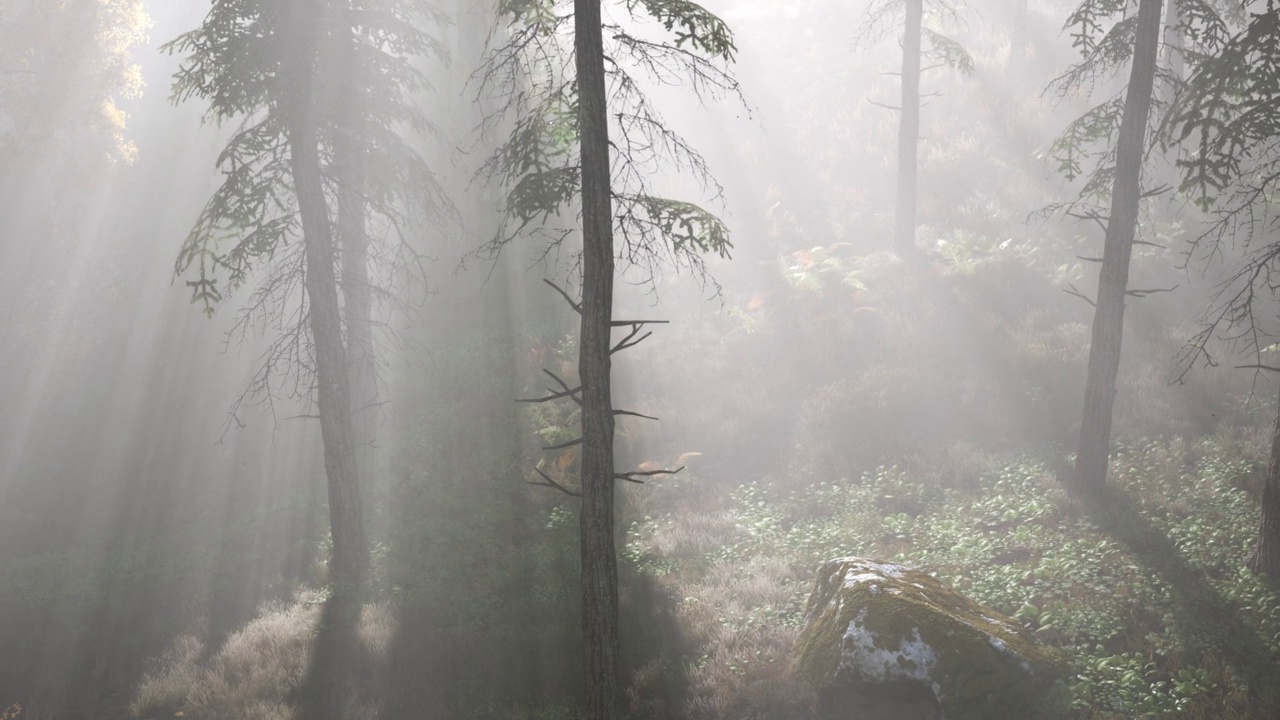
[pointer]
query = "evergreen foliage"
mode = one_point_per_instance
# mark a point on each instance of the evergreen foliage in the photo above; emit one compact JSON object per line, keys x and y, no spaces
{"x":527,"y":72}
{"x":233,"y":61}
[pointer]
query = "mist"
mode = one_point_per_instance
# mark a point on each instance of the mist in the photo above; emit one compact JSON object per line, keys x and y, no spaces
{"x":302,"y":414}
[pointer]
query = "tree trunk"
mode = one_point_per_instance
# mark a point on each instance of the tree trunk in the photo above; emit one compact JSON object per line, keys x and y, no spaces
{"x":301,"y":26}
{"x":1265,"y":558}
{"x":1113,"y":280}
{"x":599,"y":561}
{"x":1018,"y":41}
{"x":333,"y":396}
{"x":1173,"y":44}
{"x":909,"y":130}
{"x":357,"y":298}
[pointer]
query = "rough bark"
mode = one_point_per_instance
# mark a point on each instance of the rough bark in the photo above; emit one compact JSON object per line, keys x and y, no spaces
{"x":599,"y":561}
{"x":357,"y":298}
{"x":1113,"y":279}
{"x":1265,"y":558}
{"x":909,"y":130}
{"x":348,"y":563}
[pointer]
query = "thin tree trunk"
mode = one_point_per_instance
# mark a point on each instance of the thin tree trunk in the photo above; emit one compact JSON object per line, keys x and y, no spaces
{"x":1265,"y":558}
{"x":1113,"y":280}
{"x":909,"y":130}
{"x":1173,"y":43}
{"x":1018,"y":42}
{"x":599,"y":561}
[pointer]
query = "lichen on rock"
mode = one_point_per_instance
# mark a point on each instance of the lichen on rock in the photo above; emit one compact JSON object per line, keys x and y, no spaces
{"x":897,"y":642}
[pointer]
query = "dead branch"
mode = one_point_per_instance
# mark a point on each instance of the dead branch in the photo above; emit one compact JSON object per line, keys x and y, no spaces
{"x":883,"y":105}
{"x":564,"y":445}
{"x":577,"y":307}
{"x":1270,"y":368}
{"x":625,"y":323}
{"x":630,"y":413}
{"x":1071,"y":290}
{"x":635,"y":476}
{"x":1091,"y":215}
{"x":553,"y":484}
{"x":631,"y":340}
{"x":1140,"y":293}
{"x":566,"y":391}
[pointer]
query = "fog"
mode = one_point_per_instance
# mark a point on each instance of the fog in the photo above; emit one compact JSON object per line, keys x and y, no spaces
{"x":170,"y":541}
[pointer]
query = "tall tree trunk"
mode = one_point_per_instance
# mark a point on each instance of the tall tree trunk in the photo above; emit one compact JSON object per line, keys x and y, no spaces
{"x":909,"y":130}
{"x":1113,"y":280}
{"x":301,"y":25}
{"x":333,"y":395}
{"x":1018,"y":41}
{"x":356,"y":289}
{"x":1265,"y":558}
{"x":599,"y":561}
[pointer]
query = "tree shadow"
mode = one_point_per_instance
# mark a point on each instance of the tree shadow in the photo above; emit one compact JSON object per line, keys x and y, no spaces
{"x":337,"y":675}
{"x":1210,"y":622}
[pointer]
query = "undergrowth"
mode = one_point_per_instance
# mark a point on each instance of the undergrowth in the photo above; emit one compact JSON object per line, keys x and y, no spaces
{"x":1152,"y":629}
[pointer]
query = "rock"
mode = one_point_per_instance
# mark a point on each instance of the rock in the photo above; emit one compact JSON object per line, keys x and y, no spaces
{"x":885,"y":642}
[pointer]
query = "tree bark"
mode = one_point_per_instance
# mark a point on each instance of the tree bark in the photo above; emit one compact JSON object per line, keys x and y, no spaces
{"x":909,"y":130}
{"x":1265,"y":558}
{"x":1113,"y":279}
{"x":599,"y":561}
{"x":353,"y":234}
{"x":333,"y":396}
{"x":302,"y":25}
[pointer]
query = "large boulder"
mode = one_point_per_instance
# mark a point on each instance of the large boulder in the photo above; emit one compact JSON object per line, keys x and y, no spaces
{"x":885,"y":642}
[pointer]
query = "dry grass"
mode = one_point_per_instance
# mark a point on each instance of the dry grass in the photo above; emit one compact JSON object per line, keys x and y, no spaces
{"x":747,"y":667}
{"x":257,"y":672}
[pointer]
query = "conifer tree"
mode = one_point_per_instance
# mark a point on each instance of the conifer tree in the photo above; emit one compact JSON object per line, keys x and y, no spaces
{"x":586,"y":135}
{"x":919,"y":42}
{"x":321,"y":92}
{"x":1228,"y":125}
{"x":1108,"y":36}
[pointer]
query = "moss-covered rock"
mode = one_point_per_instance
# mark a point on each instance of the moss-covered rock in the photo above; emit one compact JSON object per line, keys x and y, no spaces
{"x":881,"y":640}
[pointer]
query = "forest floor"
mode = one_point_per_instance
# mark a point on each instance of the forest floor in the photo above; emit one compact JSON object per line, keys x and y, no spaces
{"x":1145,"y":593}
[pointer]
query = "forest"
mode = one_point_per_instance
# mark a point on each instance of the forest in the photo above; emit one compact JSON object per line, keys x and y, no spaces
{"x":639,"y":359}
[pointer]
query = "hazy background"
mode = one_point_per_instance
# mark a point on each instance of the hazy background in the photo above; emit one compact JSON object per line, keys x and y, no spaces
{"x":134,"y":509}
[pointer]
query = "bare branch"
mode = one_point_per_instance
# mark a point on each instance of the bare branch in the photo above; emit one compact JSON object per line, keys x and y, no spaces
{"x":635,"y":476}
{"x":631,"y":340}
{"x":577,"y":307}
{"x":1140,"y":293}
{"x":553,"y":484}
{"x":1071,"y":290}
{"x":565,"y":445}
{"x":883,"y":105}
{"x":566,"y":391}
{"x":1268,"y":368}
{"x":630,"y":413}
